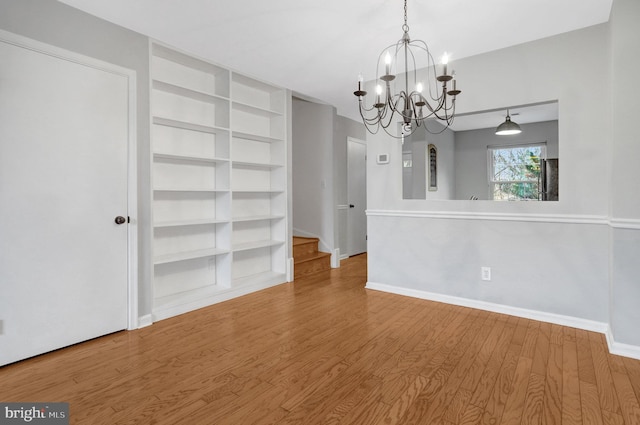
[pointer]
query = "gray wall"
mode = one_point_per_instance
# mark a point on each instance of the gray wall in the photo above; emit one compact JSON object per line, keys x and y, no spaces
{"x":312,"y":169}
{"x":625,"y":178}
{"x":550,"y":259}
{"x":414,"y":184}
{"x":471,"y":154}
{"x":54,"y":23}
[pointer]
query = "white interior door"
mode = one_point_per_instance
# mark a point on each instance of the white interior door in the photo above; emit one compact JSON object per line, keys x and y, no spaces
{"x":63,"y":180}
{"x":357,"y":194}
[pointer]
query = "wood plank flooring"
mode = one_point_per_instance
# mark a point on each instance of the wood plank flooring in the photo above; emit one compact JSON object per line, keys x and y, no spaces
{"x":324,"y":350}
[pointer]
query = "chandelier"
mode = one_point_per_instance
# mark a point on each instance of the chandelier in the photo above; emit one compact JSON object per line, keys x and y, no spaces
{"x":423,"y":94}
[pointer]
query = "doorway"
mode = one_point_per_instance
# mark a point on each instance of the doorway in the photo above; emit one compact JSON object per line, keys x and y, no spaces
{"x":357,"y":195}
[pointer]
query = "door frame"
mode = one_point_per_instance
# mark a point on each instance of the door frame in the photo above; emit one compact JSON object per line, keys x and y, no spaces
{"x":132,"y":166}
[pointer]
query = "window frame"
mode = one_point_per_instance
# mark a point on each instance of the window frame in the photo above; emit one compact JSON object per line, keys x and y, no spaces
{"x":491,"y":183}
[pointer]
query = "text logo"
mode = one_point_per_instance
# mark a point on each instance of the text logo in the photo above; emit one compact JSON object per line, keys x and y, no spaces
{"x":34,"y":413}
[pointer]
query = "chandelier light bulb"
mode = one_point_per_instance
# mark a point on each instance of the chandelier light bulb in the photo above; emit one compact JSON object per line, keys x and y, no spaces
{"x":445,"y":61}
{"x":419,"y":87}
{"x":378,"y":103}
{"x":387,"y":63}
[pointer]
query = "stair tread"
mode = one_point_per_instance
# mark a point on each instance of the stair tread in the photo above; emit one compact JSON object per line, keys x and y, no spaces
{"x":310,"y":257}
{"x":299,"y":240}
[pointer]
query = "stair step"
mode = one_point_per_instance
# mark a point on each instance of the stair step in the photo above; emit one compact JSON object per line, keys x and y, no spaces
{"x":304,"y":246}
{"x":310,"y":257}
{"x":313,"y":263}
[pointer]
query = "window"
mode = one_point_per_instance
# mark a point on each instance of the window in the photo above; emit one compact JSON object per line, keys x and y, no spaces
{"x":514,"y":172}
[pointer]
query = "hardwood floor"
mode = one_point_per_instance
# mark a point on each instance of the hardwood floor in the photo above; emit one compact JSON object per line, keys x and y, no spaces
{"x":324,"y":350}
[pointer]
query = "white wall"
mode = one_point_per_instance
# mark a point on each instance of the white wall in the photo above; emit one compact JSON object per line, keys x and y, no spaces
{"x":471,"y":160}
{"x":549,"y":258}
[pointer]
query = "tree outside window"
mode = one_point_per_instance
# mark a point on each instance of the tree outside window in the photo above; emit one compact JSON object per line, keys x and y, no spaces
{"x":514,"y":172}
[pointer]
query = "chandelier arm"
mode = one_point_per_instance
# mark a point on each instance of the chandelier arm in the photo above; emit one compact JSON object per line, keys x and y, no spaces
{"x":364,"y":108}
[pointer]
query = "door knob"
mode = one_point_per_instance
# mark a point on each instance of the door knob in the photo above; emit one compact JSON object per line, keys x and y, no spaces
{"x":120,"y":220}
{"x":351,"y":206}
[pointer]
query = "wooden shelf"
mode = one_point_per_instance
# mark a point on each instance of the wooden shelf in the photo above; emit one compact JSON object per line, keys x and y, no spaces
{"x":211,"y":130}
{"x":169,"y":156}
{"x":258,"y":191}
{"x":178,"y":223}
{"x":187,"y":189}
{"x":255,"y":110}
{"x":246,"y":246}
{"x":260,"y":278}
{"x":245,"y":164}
{"x":257,"y":218}
{"x":258,"y":94}
{"x":256,"y":137}
{"x":189,"y":126}
{"x":188,"y":61}
{"x":188,"y":255}
{"x":192,"y":94}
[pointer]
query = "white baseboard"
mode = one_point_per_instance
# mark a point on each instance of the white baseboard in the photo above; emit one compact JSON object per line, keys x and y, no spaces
{"x":620,"y":349}
{"x":290,"y":265}
{"x":558,"y":319}
{"x":617,"y":348}
{"x":144,"y":321}
{"x":335,"y":258}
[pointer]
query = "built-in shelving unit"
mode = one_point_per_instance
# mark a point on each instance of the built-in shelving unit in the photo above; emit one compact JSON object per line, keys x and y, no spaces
{"x":219,"y":204}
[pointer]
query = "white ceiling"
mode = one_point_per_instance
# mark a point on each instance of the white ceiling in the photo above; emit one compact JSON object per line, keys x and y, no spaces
{"x":318,"y":48}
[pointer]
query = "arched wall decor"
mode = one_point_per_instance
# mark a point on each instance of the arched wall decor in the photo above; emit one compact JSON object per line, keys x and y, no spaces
{"x":432,"y":183}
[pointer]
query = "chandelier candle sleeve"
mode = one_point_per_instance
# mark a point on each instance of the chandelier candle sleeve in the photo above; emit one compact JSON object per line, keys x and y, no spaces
{"x":428,"y":98}
{"x":360,"y":92}
{"x":387,"y":63}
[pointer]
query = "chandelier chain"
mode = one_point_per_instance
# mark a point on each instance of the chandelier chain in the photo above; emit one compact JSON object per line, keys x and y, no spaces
{"x":405,"y":27}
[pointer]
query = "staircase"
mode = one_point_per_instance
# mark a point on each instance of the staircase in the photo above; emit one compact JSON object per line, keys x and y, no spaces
{"x":307,"y":259}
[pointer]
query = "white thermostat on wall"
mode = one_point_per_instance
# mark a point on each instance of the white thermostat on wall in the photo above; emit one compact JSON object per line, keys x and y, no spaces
{"x":383,"y":158}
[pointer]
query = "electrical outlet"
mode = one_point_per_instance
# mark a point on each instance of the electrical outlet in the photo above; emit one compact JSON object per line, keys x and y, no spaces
{"x":485,"y":273}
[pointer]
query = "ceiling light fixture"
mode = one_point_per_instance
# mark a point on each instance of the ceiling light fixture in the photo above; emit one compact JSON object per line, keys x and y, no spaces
{"x":418,"y":71}
{"x":508,"y":127}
